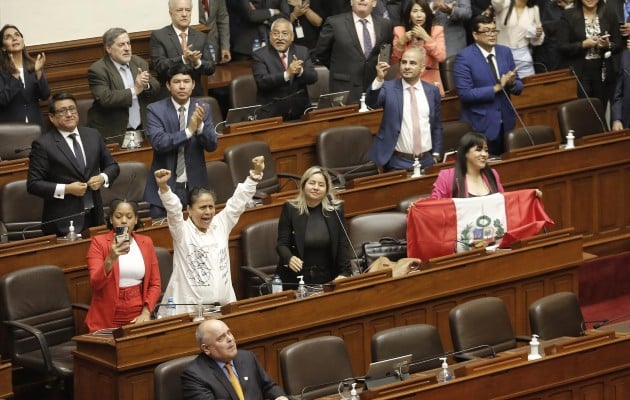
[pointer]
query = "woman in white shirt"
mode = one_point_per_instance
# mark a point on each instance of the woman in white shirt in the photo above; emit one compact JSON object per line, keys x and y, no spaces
{"x":518,"y":22}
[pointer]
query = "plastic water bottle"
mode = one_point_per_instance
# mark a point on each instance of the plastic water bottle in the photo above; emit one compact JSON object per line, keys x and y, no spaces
{"x":302,"y":293}
{"x":170,"y":307}
{"x":445,"y":374}
{"x":276,"y":284}
{"x":212,"y":53}
{"x":72,"y":235}
{"x":256,"y":45}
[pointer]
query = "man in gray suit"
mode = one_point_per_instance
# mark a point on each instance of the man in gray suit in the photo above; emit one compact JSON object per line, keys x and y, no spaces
{"x":121,"y":86}
{"x":214,"y":14}
{"x":453,"y":15}
{"x":179,"y":44}
{"x":349,"y":45}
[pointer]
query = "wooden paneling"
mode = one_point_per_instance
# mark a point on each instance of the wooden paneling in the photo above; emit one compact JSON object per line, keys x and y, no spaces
{"x":6,"y":386}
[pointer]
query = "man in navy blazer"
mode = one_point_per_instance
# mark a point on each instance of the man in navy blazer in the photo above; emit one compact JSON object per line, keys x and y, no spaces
{"x":174,"y":146}
{"x":620,"y":110}
{"x":282,"y":91}
{"x":393,"y":145}
{"x":484,"y":94}
{"x":208,"y":375}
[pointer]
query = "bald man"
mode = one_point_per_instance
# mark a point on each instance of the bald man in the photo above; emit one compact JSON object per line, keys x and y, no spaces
{"x":210,"y":375}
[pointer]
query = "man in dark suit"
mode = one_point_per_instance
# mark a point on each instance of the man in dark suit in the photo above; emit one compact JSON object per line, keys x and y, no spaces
{"x":620,"y":110}
{"x":180,"y":129}
{"x":214,"y":14}
{"x":68,"y":166}
{"x":349,"y":45}
{"x":402,"y":136}
{"x":484,"y":86}
{"x":282,"y":72}
{"x":222,"y":371}
{"x":121,"y":86}
{"x":179,"y":44}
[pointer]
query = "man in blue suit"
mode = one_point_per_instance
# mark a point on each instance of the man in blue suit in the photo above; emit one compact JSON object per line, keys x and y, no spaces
{"x":179,"y":129}
{"x":411,"y":126}
{"x":620,"y":110}
{"x":484,"y":86}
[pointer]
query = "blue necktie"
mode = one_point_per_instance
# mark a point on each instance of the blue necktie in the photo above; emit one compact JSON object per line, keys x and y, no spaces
{"x":367,"y":40}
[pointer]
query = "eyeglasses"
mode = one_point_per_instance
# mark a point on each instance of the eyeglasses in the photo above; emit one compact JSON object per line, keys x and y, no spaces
{"x":280,"y":35}
{"x":64,"y":111}
{"x":489,"y":32}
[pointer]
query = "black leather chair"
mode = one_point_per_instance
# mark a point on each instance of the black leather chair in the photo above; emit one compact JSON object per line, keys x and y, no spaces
{"x":215,"y":108}
{"x":16,"y":139}
{"x":239,"y":159}
{"x":530,"y":136}
{"x":166,"y":378}
{"x":129,"y":185}
{"x":165,"y":263}
{"x":374,"y":226}
{"x":556,"y":315}
{"x":579,"y":116}
{"x":220,"y":180}
{"x":38,"y":320}
{"x":447,"y":73}
{"x":243,"y":91}
{"x":344,"y":150}
{"x":483,"y":321}
{"x":403,"y":205}
{"x":321,"y":86}
{"x":309,"y":366}
{"x":258,"y":243}
{"x":452,"y":132}
{"x":20,"y":211}
{"x":422,"y":341}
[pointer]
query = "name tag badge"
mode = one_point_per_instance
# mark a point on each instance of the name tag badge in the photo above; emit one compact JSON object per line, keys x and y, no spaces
{"x":299,"y":32}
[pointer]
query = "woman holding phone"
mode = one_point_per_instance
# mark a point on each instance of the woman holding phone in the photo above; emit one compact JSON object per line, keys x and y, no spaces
{"x":123,"y":270}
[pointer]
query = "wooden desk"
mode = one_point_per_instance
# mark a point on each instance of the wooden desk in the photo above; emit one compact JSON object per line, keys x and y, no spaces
{"x":225,"y":73}
{"x":122,"y":368}
{"x":595,"y":366}
{"x":6,"y":385}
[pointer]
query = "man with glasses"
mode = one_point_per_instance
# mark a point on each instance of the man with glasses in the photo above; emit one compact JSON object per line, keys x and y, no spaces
{"x":282,"y":71}
{"x":68,"y":166}
{"x":486,"y":76}
{"x":178,"y":43}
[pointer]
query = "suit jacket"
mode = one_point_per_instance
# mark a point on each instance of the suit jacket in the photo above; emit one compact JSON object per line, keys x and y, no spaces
{"x":268,"y":72}
{"x":340,"y":50}
{"x":620,"y":110}
{"x":454,"y":25}
{"x":105,"y":287}
{"x":203,"y":379}
{"x":443,"y":185}
{"x":291,"y":237}
{"x":18,"y":101}
{"x":166,"y":51}
{"x":390,"y":96}
{"x":109,"y":113}
{"x":255,"y":22}
{"x":53,"y":162}
{"x":218,"y":23}
{"x":481,"y":107}
{"x":163,"y":132}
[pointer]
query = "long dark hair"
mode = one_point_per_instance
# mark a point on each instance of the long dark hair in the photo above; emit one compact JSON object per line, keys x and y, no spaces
{"x":529,"y":4}
{"x":428,"y":19}
{"x":467,"y":142}
{"x":5,"y":62}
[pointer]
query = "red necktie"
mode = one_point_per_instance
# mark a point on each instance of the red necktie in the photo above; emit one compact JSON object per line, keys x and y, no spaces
{"x":283,"y":57}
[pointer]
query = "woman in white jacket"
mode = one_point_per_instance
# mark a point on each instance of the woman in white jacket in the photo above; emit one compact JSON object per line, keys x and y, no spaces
{"x":518,"y":22}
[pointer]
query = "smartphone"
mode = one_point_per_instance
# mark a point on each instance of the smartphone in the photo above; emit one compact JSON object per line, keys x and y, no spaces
{"x":385,"y":53}
{"x":122,"y":233}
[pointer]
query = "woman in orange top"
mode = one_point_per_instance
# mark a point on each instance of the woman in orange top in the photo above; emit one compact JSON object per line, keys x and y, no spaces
{"x":418,"y":20}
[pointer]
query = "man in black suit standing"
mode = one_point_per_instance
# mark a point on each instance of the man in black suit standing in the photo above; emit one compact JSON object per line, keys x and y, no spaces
{"x":224,"y":372}
{"x":179,"y":44}
{"x":282,"y":71}
{"x":68,"y":166}
{"x":349,"y":45}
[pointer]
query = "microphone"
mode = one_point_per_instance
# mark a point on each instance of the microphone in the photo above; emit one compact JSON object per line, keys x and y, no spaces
{"x":322,"y":385}
{"x":609,"y":321}
{"x":345,"y":232}
{"x":341,"y":177}
{"x":588,"y":99}
{"x":67,"y":217}
{"x":595,"y":321}
{"x":158,"y":305}
{"x":450,"y":353}
{"x":529,"y":135}
{"x":533,"y":63}
{"x":111,"y":138}
{"x":23,"y":149}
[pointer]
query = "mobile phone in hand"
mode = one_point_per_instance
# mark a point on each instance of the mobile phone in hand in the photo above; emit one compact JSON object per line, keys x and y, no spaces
{"x":122,"y":233}
{"x":385,"y":53}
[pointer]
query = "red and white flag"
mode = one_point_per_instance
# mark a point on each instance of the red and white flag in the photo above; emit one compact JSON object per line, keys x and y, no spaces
{"x":440,"y":227}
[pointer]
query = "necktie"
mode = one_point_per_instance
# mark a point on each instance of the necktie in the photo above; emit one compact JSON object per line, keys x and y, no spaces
{"x":492,"y":67}
{"x":367,"y":40}
{"x":181,"y":160}
{"x":283,"y":57}
{"x":184,"y":43}
{"x":415,"y":122}
{"x":88,"y":201}
{"x":134,"y":110}
{"x":234,"y":381}
{"x":206,"y":10}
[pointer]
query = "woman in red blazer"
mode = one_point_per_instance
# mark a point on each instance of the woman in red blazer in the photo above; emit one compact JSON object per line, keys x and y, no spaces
{"x":124,"y":272}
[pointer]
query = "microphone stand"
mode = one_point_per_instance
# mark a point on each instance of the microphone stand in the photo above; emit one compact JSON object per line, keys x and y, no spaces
{"x":345,"y":232}
{"x":40,"y":224}
{"x":158,"y":305}
{"x":341,"y":177}
{"x":608,"y":321}
{"x":588,"y":99}
{"x":447,"y":354}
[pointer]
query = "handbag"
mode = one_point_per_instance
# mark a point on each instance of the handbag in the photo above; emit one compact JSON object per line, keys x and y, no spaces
{"x":393,"y":249}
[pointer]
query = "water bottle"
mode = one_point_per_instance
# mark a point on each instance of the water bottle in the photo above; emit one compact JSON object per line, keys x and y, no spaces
{"x":212,"y":53}
{"x":256,"y":45}
{"x":72,"y":235}
{"x":170,"y":307}
{"x":276,"y":284}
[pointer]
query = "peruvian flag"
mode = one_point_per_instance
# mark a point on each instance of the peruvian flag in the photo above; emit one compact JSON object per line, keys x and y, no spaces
{"x":440,"y":227}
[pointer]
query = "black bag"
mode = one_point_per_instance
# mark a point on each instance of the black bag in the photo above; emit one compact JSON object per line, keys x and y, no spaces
{"x":394,"y":249}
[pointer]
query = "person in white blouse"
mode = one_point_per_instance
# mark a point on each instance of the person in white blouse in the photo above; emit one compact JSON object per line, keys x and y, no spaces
{"x":518,"y":22}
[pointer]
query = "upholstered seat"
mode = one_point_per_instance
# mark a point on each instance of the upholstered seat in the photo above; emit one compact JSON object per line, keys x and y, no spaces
{"x":422,"y":341}
{"x":258,"y":243}
{"x":129,"y":185}
{"x":243,"y":91}
{"x":556,"y":315}
{"x":220,"y":180}
{"x":530,"y":136}
{"x":20,"y":211}
{"x":166,"y":378}
{"x":16,"y":139}
{"x":582,"y":116}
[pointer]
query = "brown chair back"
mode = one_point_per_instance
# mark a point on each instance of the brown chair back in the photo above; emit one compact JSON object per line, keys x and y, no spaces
{"x":220,"y":180}
{"x":556,"y":315}
{"x":20,"y":211}
{"x":166,"y":378}
{"x":530,"y":136}
{"x":165,"y":263}
{"x":447,"y":73}
{"x":215,"y":108}
{"x":578,"y":115}
{"x":128,"y":185}
{"x":258,"y":244}
{"x":16,"y":139}
{"x":422,"y":341}
{"x":243,"y":91}
{"x":321,"y":86}
{"x":452,"y":132}
{"x":239,"y":160}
